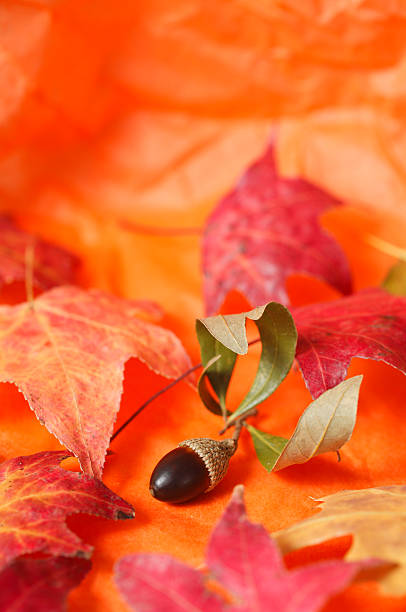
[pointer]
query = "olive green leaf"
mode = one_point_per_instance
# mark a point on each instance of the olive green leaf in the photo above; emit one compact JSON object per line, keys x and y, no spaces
{"x":218,"y":364}
{"x":395,"y":280}
{"x":226,"y":335}
{"x":267,"y":447}
{"x":326,"y":424}
{"x":278,"y":335}
{"x":206,"y":396}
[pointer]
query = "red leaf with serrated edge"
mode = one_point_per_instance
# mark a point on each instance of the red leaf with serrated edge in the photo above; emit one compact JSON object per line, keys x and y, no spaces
{"x":66,"y":352}
{"x":369,"y":324}
{"x":247,"y":564}
{"x":52,"y":265}
{"x":43,"y":585}
{"x":264,"y":230}
{"x":36,"y":495}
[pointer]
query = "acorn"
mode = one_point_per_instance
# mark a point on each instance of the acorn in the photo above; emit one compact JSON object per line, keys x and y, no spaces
{"x":194,"y":467}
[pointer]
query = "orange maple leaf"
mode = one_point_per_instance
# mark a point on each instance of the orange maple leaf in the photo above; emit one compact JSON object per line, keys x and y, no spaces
{"x":66,"y":352}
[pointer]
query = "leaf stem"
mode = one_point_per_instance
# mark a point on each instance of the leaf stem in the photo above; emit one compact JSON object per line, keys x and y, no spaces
{"x":154,"y":397}
{"x":239,"y":424}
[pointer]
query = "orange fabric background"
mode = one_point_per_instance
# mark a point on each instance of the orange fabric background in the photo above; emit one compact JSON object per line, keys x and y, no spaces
{"x":147,"y":112}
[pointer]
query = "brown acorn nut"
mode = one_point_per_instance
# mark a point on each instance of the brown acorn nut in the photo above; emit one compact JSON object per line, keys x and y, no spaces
{"x":195,"y":467}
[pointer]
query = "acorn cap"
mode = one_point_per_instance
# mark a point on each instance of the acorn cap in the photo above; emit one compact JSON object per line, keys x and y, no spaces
{"x":215,"y":454}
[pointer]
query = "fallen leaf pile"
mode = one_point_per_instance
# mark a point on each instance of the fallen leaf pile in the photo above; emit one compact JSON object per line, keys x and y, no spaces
{"x":228,"y":177}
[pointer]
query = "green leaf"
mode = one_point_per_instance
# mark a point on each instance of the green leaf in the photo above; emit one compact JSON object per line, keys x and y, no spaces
{"x":267,"y":447}
{"x":395,"y":281}
{"x":325,"y":426}
{"x":278,"y":337}
{"x":226,"y":335}
{"x":205,"y":395}
{"x":218,"y":371}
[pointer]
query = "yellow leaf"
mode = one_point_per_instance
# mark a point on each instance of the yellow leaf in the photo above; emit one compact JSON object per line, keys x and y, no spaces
{"x":377,"y":519}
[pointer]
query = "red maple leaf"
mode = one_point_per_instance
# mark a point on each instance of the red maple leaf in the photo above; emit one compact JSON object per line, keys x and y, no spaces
{"x":264,"y":230}
{"x":369,"y":324}
{"x":36,"y":495}
{"x":66,"y":352}
{"x":52,"y":265}
{"x":29,"y":585}
{"x":247,"y":564}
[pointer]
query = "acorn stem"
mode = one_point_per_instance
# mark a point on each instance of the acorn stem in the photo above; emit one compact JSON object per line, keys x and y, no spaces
{"x":238,"y":423}
{"x":237,"y":431}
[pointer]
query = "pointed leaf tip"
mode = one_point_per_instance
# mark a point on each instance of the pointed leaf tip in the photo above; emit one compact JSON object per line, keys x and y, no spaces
{"x":325,"y":426}
{"x":36,"y":496}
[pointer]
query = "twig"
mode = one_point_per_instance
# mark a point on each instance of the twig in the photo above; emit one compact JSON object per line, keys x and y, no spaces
{"x":154,"y":397}
{"x":161,"y":391}
{"x":239,"y":423}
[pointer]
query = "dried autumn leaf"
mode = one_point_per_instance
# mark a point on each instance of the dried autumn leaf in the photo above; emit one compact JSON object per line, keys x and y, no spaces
{"x":28,"y":585}
{"x":51,"y":264}
{"x":264,"y":230}
{"x":225,"y":335}
{"x":36,"y":495}
{"x":369,"y":324}
{"x":246,"y":562}
{"x":377,"y":519}
{"x":66,"y":352}
{"x":325,"y":426}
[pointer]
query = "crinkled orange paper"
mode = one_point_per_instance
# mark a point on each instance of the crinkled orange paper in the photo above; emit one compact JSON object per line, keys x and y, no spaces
{"x":146,"y":112}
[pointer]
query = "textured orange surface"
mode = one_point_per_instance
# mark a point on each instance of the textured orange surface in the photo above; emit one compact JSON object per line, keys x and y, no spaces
{"x":147,"y":112}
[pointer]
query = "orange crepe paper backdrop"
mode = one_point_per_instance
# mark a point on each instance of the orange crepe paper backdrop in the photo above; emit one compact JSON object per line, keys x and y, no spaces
{"x":114,"y":113}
